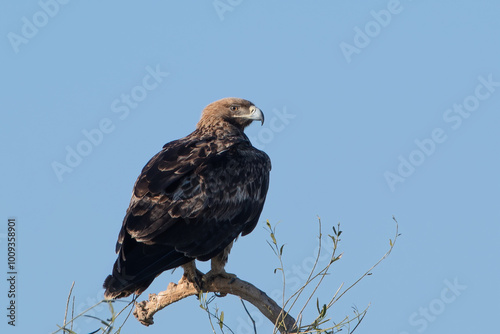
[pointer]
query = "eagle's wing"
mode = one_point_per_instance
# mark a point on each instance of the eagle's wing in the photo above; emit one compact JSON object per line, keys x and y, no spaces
{"x":197,"y":198}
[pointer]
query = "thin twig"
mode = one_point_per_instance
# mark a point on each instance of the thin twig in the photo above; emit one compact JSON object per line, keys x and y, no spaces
{"x":206,"y":308}
{"x":115,"y":316}
{"x":67,"y":305}
{"x":72,"y":312}
{"x":312,"y":272}
{"x":129,"y":313}
{"x":375,"y":265}
{"x":204,"y":304}
{"x":78,"y":316}
{"x":249,"y":315}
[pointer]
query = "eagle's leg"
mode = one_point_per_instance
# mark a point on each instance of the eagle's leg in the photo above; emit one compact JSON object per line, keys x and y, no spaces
{"x":191,"y":274}
{"x":218,"y":263}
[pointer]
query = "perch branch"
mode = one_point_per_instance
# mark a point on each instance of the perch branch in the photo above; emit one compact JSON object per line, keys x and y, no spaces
{"x":145,"y":310}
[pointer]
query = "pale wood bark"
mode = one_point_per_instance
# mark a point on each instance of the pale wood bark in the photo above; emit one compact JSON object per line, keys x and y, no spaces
{"x":145,"y":310}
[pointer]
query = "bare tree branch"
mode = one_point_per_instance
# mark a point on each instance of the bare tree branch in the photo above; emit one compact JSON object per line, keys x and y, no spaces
{"x":145,"y":310}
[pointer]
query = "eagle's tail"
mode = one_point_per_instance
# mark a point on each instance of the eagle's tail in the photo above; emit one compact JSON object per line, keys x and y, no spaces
{"x":137,"y":266}
{"x":116,"y":288}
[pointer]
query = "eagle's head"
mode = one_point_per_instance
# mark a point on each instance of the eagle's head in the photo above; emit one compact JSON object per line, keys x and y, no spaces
{"x":235,"y":111}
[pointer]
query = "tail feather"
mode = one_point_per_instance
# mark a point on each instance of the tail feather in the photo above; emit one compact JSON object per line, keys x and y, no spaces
{"x":138,"y":265}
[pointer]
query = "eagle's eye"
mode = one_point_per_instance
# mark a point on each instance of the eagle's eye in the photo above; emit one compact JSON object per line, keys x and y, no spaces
{"x":234,"y":108}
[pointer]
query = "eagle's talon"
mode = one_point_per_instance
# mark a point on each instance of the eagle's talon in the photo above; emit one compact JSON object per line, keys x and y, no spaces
{"x":192,"y":275}
{"x":211,"y":275}
{"x":220,"y":294}
{"x":196,"y":282}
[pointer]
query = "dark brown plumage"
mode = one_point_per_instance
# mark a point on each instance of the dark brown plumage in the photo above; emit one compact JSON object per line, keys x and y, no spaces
{"x":192,"y":200}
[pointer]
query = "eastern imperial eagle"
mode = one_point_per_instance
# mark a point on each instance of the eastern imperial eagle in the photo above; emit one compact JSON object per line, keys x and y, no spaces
{"x":192,"y":200}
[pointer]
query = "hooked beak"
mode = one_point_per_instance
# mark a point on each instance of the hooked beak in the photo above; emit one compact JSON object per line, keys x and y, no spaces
{"x":256,"y":115}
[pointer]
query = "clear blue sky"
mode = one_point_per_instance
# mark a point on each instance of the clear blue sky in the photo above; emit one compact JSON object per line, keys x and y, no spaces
{"x":373,"y":109}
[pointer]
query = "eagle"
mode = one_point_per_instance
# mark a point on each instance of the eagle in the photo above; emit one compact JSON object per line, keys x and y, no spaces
{"x":192,"y":200}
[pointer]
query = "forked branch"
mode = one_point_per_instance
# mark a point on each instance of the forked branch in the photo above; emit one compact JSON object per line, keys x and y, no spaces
{"x":145,"y":310}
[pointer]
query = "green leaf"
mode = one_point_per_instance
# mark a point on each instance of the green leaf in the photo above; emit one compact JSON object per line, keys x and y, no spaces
{"x":221,"y":319}
{"x":281,"y":249}
{"x":323,"y":312}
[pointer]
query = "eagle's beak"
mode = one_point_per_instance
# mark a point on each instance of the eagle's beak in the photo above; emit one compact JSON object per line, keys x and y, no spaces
{"x":256,"y":114}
